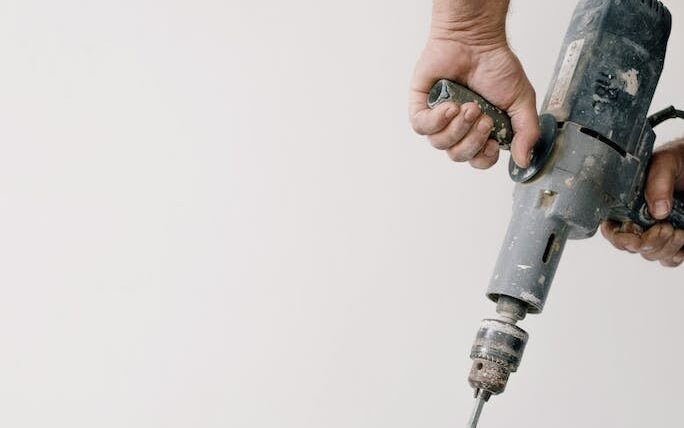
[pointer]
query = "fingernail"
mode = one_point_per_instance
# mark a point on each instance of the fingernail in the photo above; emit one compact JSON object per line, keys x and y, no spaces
{"x":470,"y":114}
{"x":631,"y":248}
{"x":484,"y":126}
{"x":491,"y":150}
{"x":661,"y":209}
{"x":677,"y":259}
{"x":646,"y":249}
{"x":451,"y":112}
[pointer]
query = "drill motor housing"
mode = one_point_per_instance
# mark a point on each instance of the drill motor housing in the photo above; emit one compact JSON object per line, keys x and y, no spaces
{"x":603,"y":84}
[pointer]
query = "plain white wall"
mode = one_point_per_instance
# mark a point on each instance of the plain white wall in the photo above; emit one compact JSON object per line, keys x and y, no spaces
{"x":214,"y":214}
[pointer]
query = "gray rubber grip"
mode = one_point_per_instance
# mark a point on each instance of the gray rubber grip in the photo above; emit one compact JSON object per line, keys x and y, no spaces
{"x":446,"y":90}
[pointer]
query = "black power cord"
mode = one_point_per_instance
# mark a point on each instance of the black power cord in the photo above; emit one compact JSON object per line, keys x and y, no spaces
{"x":665,"y":114}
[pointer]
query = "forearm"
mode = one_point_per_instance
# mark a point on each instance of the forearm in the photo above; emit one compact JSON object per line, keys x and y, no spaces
{"x":473,"y":22}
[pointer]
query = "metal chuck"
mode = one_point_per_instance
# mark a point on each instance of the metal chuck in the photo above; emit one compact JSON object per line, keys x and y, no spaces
{"x":496,"y":353}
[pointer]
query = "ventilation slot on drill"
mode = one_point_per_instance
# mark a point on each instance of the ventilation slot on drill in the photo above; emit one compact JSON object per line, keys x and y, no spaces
{"x":549,"y":247}
{"x":612,"y":144}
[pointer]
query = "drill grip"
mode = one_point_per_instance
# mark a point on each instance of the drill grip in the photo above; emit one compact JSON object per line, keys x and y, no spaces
{"x":445,"y":90}
{"x":644,"y":220}
{"x":677,"y":216}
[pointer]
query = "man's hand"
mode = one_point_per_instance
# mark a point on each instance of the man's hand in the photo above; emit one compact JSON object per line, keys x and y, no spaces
{"x":661,"y":242}
{"x":468,"y":45}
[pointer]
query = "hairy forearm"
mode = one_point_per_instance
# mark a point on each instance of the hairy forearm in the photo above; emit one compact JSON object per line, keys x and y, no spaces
{"x":473,"y":22}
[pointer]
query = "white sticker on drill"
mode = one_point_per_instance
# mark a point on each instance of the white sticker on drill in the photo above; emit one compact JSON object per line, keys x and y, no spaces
{"x":566,"y":73}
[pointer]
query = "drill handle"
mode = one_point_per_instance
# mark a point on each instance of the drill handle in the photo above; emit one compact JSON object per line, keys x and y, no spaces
{"x":644,"y":219}
{"x":445,"y":90}
{"x":502,"y":132}
{"x":677,"y":216}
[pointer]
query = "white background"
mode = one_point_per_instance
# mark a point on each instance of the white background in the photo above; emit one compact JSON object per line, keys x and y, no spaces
{"x":214,"y":214}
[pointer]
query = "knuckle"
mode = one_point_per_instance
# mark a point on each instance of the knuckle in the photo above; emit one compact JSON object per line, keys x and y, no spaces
{"x":458,"y":156}
{"x":418,"y":127}
{"x":649,"y":256}
{"x":607,"y":230}
{"x":471,"y":148}
{"x":425,"y":123}
{"x":416,"y":122}
{"x":458,"y":129}
{"x":617,"y":243}
{"x":629,"y":242}
{"x":666,"y":231}
{"x":455,"y":155}
{"x":467,"y":149}
{"x":481,"y":162}
{"x":437,"y":142}
{"x":605,"y":233}
{"x":652,"y":233}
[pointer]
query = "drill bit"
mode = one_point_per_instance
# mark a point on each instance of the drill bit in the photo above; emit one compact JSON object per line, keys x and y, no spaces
{"x":481,"y":398}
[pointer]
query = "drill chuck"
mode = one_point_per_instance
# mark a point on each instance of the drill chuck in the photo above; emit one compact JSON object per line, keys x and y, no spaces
{"x":496,"y":353}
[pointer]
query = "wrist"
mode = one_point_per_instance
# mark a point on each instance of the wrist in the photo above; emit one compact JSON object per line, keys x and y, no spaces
{"x":475,"y":23}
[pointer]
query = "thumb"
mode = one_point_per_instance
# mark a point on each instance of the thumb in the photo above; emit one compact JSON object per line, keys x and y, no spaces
{"x":525,"y":123}
{"x":664,"y":171}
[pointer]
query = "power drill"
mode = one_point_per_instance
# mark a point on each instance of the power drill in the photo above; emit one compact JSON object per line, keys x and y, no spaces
{"x":589,"y":165}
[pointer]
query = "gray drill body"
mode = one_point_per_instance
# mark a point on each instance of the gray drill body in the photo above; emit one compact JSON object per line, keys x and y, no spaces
{"x":605,"y":77}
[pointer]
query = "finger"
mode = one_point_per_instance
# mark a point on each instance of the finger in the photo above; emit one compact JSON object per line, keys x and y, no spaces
{"x":671,"y":263}
{"x":608,"y":229}
{"x":674,"y":261}
{"x":663,"y":173}
{"x":611,"y":228}
{"x":654,"y":240}
{"x":457,"y":129}
{"x":526,"y":130}
{"x":487,"y":157}
{"x":678,"y":259}
{"x":625,"y":241}
{"x":672,"y":246}
{"x":473,"y":141}
{"x":426,"y":121}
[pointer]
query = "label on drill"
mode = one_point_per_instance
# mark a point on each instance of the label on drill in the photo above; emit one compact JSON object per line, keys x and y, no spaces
{"x":565,"y":74}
